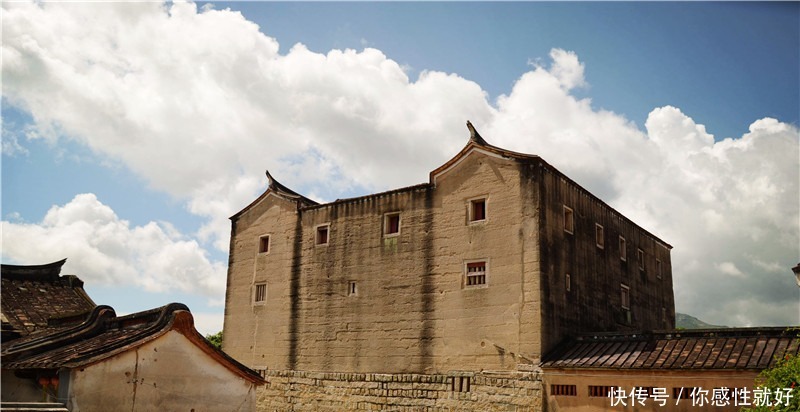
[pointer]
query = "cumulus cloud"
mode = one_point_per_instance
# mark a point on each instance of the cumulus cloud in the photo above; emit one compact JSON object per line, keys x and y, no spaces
{"x":201,"y":113}
{"x":106,"y":250}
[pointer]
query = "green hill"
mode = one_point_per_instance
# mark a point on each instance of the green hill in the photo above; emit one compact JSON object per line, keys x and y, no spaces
{"x":684,"y":321}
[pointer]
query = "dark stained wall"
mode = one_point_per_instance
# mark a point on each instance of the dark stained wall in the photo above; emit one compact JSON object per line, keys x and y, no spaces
{"x":594,"y":301}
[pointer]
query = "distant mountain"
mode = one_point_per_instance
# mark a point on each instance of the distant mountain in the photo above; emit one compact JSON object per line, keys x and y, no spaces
{"x":684,"y":321}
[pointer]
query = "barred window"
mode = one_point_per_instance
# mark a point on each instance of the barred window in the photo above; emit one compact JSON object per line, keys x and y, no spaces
{"x":476,"y":274}
{"x":599,"y":391}
{"x":260,"y":294}
{"x":563,"y":390}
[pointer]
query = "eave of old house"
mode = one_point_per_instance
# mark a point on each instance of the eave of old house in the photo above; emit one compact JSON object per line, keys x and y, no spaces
{"x":103,"y":335}
{"x":33,"y":295}
{"x":693,"y":350}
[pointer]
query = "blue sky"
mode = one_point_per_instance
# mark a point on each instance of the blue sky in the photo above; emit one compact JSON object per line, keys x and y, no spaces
{"x":127,"y":142}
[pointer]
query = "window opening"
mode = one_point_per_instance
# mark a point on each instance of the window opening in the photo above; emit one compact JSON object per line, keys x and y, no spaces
{"x":476,"y":274}
{"x":477,"y":210}
{"x":640,"y":257}
{"x":460,"y":384}
{"x":322,"y":235}
{"x":569,"y":224}
{"x":563,"y":390}
{"x":625,"y":296}
{"x":599,"y":235}
{"x":599,"y":391}
{"x":260,"y":293}
{"x":263,"y":244}
{"x":391,"y":224}
{"x":623,"y":249}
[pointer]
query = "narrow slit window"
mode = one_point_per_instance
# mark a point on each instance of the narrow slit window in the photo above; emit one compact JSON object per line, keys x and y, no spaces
{"x":352,"y":289}
{"x":477,"y":210}
{"x":623,"y":249}
{"x":476,"y":274}
{"x":599,"y":236}
{"x":260,"y":294}
{"x":391,"y":224}
{"x":569,"y":223}
{"x":625,"y":296}
{"x":567,"y":282}
{"x":640,"y":258}
{"x":263,"y":244}
{"x":658,"y":269}
{"x":322,"y":235}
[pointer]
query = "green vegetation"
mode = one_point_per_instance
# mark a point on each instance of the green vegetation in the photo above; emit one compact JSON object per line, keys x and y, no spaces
{"x":785,"y":374}
{"x":216,"y":339}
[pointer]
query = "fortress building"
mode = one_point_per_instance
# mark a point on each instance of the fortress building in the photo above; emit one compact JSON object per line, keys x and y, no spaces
{"x":488,"y":266}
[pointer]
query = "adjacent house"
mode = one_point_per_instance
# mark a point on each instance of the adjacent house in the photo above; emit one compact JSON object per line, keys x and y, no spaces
{"x":58,"y":346}
{"x":677,"y":370}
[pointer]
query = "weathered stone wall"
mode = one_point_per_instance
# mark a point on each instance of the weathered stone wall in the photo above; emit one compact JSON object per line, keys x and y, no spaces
{"x":317,"y":391}
{"x":411,"y":311}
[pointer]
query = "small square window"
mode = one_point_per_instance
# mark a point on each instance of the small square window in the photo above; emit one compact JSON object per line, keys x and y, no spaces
{"x":625,"y":296}
{"x":599,"y":236}
{"x":322,"y":235}
{"x":658,"y":269}
{"x":475,"y":274}
{"x":260,"y":293}
{"x":569,"y":223}
{"x":623,"y":249}
{"x":391,"y":224}
{"x":567,"y":282}
{"x":263,"y":244}
{"x":352,"y":289}
{"x":477,"y":210}
{"x":640,"y":258}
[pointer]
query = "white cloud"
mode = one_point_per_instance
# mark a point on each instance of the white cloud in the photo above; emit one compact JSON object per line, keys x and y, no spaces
{"x":201,"y":113}
{"x":103,"y":249}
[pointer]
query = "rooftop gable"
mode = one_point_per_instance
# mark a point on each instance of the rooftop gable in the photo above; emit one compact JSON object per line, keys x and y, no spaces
{"x":277,"y":189}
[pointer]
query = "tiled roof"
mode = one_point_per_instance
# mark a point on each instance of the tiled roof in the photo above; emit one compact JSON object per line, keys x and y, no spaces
{"x":717,"y":349}
{"x":102,"y":335}
{"x":33,"y":295}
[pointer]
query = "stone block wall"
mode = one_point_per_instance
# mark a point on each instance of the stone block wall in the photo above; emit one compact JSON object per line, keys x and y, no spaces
{"x":288,"y":390}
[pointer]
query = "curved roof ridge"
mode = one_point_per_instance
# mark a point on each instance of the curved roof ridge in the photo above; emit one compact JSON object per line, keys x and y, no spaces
{"x":46,"y":339}
{"x":277,"y":187}
{"x":46,"y":271}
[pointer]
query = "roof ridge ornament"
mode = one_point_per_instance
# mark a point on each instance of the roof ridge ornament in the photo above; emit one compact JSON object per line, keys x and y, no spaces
{"x":272,"y":183}
{"x":474,"y":136}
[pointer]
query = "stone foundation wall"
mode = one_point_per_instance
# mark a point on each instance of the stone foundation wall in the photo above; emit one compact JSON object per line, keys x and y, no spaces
{"x":288,"y":390}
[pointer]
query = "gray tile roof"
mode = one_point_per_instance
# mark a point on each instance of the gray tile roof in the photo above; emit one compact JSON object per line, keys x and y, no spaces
{"x":717,"y":349}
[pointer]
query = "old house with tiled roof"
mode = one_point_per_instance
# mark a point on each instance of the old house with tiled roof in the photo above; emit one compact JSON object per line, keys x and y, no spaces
{"x":692,"y":369}
{"x":59,"y":346}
